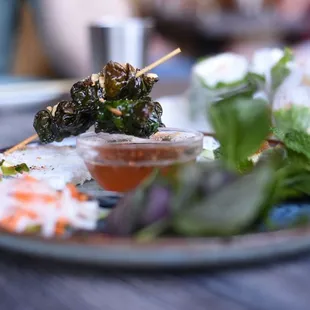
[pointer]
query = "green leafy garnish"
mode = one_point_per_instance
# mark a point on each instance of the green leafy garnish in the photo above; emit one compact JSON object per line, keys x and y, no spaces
{"x":8,"y":170}
{"x":298,"y":141}
{"x":257,"y":80}
{"x":293,"y":117}
{"x":203,"y":199}
{"x":280,"y":71}
{"x":230,"y":195}
{"x":241,"y":125}
{"x":229,"y":210}
{"x":241,"y":166}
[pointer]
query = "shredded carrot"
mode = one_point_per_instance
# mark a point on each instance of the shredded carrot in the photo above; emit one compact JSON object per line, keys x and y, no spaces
{"x":10,"y":223}
{"x":61,"y":225}
{"x":30,"y":178}
{"x":82,"y":197}
{"x":28,"y":213}
{"x":29,"y":197}
{"x":74,"y":192}
{"x":26,"y":196}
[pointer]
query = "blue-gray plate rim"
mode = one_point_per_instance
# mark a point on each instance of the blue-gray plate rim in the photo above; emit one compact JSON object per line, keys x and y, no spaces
{"x":99,"y":250}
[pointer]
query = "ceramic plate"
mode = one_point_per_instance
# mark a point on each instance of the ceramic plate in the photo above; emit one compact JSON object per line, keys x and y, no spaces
{"x":99,"y":250}
{"x":31,"y":93}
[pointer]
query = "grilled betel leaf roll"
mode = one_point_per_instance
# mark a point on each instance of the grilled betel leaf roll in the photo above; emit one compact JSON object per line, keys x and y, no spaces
{"x":120,"y":82}
{"x":67,"y":120}
{"x":140,"y":118}
{"x":87,"y":92}
{"x":116,"y":86}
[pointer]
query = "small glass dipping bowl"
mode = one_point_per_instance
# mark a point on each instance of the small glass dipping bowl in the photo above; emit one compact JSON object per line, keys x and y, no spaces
{"x":119,"y":163}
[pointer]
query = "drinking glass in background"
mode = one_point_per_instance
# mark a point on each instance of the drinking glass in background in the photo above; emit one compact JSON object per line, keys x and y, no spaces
{"x":123,"y":40}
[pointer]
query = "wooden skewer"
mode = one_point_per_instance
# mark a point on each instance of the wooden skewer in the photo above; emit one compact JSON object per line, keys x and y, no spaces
{"x":21,"y":144}
{"x":158,"y":62}
{"x":113,"y":110}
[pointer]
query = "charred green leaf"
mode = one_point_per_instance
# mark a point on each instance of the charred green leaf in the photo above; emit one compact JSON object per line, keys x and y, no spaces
{"x":140,"y":118}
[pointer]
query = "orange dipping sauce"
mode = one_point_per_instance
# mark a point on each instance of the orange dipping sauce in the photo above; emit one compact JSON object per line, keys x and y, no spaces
{"x":119,"y":163}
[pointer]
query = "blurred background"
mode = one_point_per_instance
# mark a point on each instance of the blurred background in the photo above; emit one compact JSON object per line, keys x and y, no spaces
{"x":50,"y":39}
{"x":47,"y":45}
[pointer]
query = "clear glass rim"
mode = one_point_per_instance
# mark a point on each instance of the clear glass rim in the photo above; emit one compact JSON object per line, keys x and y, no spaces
{"x":83,"y":141}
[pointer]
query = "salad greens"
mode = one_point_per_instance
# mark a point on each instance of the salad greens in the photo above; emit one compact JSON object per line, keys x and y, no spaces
{"x":232,"y":194}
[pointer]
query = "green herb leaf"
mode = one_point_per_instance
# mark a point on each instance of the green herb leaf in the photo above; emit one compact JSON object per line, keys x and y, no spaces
{"x":247,"y":88}
{"x":229,"y":210}
{"x":292,"y":175}
{"x":13,"y":170}
{"x":242,"y":166}
{"x":241,"y":125}
{"x":280,"y":71}
{"x":8,"y":171}
{"x":300,"y":182}
{"x":278,"y":133}
{"x":218,"y":153}
{"x":297,"y":159}
{"x":257,"y":80}
{"x":22,"y":168}
{"x":298,"y":141}
{"x":245,"y":166}
{"x":290,"y":118}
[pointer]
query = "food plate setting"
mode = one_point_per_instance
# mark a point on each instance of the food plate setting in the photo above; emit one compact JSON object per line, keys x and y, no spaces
{"x":107,"y":180}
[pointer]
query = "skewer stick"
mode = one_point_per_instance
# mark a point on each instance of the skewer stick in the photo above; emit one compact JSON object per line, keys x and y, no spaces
{"x":158,"y":62}
{"x":113,"y":110}
{"x":21,"y":145}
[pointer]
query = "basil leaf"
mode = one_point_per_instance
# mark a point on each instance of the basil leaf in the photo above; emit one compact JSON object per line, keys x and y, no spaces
{"x":230,"y":209}
{"x":241,"y":125}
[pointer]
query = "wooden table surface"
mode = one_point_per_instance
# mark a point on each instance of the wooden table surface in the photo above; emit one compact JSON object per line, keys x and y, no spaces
{"x":29,"y":284}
